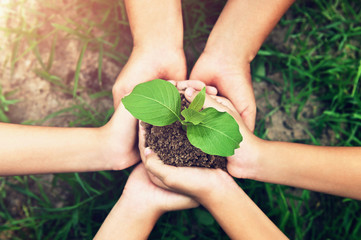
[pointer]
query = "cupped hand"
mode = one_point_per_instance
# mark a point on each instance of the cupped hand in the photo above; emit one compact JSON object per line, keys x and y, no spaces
{"x":140,"y":190}
{"x":198,"y":183}
{"x":232,"y":79}
{"x":148,"y":64}
{"x":245,"y":161}
{"x":119,"y":140}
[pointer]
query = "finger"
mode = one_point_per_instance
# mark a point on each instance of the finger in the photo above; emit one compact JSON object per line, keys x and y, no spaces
{"x":196,"y":84}
{"x":211,"y":90}
{"x":220,"y":103}
{"x":141,"y":142}
{"x":156,"y":166}
{"x":225,"y":102}
{"x":191,"y":93}
{"x":157,"y":181}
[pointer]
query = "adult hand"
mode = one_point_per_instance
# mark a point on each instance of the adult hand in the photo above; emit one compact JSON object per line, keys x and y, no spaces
{"x":147,"y":64}
{"x":232,"y":79}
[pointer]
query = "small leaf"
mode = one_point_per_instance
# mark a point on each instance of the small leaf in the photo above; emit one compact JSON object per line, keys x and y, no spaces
{"x":156,"y":102}
{"x":218,"y":133}
{"x":192,"y":116}
{"x":198,"y":101}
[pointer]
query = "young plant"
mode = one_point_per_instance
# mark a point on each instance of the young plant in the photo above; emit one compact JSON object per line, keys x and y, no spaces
{"x":158,"y":102}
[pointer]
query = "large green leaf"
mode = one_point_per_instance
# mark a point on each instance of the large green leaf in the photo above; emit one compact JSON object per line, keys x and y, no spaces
{"x":156,"y":102}
{"x":198,"y":101}
{"x":217,"y":134}
{"x":192,"y":116}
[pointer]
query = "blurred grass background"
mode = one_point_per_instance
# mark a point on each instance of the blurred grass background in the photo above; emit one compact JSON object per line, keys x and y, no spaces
{"x":318,"y":57}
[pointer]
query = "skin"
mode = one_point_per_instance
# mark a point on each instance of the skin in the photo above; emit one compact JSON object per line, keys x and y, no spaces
{"x":333,"y":170}
{"x":233,"y":43}
{"x":236,"y":213}
{"x":139,"y":208}
{"x":35,"y":150}
{"x":157,"y":30}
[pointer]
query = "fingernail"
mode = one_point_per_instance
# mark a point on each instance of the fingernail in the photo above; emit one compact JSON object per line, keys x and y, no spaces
{"x":147,"y":151}
{"x":189,"y":92}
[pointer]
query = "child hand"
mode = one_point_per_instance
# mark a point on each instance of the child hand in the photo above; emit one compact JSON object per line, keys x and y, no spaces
{"x":231,"y":78}
{"x":146,"y":196}
{"x":146,"y":65}
{"x":198,"y":183}
{"x":139,"y":207}
{"x":244,"y":162}
{"x":119,"y":140}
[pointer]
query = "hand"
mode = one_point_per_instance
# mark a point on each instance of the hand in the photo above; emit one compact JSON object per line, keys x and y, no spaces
{"x":245,"y":161}
{"x":139,"y":207}
{"x":119,"y":140}
{"x":148,"y":64}
{"x":198,"y":183}
{"x":146,"y":196}
{"x":232,"y":79}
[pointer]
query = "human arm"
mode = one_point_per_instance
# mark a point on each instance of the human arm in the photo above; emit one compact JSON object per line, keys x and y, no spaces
{"x":236,"y":213}
{"x":157,"y":31}
{"x":333,"y":170}
{"x":35,"y":150}
{"x":232,"y":45}
{"x":216,"y":190}
{"x":139,"y":207}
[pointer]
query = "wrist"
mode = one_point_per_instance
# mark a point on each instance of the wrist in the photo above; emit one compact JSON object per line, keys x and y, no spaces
{"x":228,"y":53}
{"x":127,"y":221}
{"x":156,"y":23}
{"x":219,"y":185}
{"x":216,"y":196}
{"x":139,"y":209}
{"x":225,"y":63}
{"x":264,"y":169}
{"x":159,"y":51}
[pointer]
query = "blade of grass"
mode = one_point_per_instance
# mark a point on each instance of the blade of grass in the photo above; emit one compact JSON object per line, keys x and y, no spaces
{"x":78,"y":67}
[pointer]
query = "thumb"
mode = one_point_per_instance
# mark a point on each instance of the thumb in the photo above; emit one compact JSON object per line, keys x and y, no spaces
{"x":156,"y":166}
{"x":121,"y":114}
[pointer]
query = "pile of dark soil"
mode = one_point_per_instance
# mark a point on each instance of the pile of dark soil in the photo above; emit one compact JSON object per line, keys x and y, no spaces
{"x":173,"y":147}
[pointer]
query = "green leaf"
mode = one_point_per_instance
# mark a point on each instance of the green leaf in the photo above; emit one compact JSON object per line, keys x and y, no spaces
{"x":218,"y":133}
{"x":198,"y":101}
{"x":192,"y":116}
{"x":156,"y":102}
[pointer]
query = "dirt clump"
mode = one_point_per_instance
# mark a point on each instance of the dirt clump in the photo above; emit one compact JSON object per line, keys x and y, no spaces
{"x":173,"y":147}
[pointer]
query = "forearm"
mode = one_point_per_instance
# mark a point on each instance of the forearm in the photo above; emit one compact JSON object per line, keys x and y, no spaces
{"x":243,"y":26}
{"x":240,"y":217}
{"x":32,"y":150}
{"x":333,"y":170}
{"x":127,"y":221}
{"x":156,"y":23}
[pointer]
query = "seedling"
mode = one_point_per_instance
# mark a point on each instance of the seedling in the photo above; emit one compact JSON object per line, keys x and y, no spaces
{"x":158,"y":102}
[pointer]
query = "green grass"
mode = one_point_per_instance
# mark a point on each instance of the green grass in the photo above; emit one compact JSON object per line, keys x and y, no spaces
{"x":319,"y":63}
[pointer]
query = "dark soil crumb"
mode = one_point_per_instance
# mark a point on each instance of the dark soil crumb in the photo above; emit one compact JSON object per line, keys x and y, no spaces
{"x":173,"y":147}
